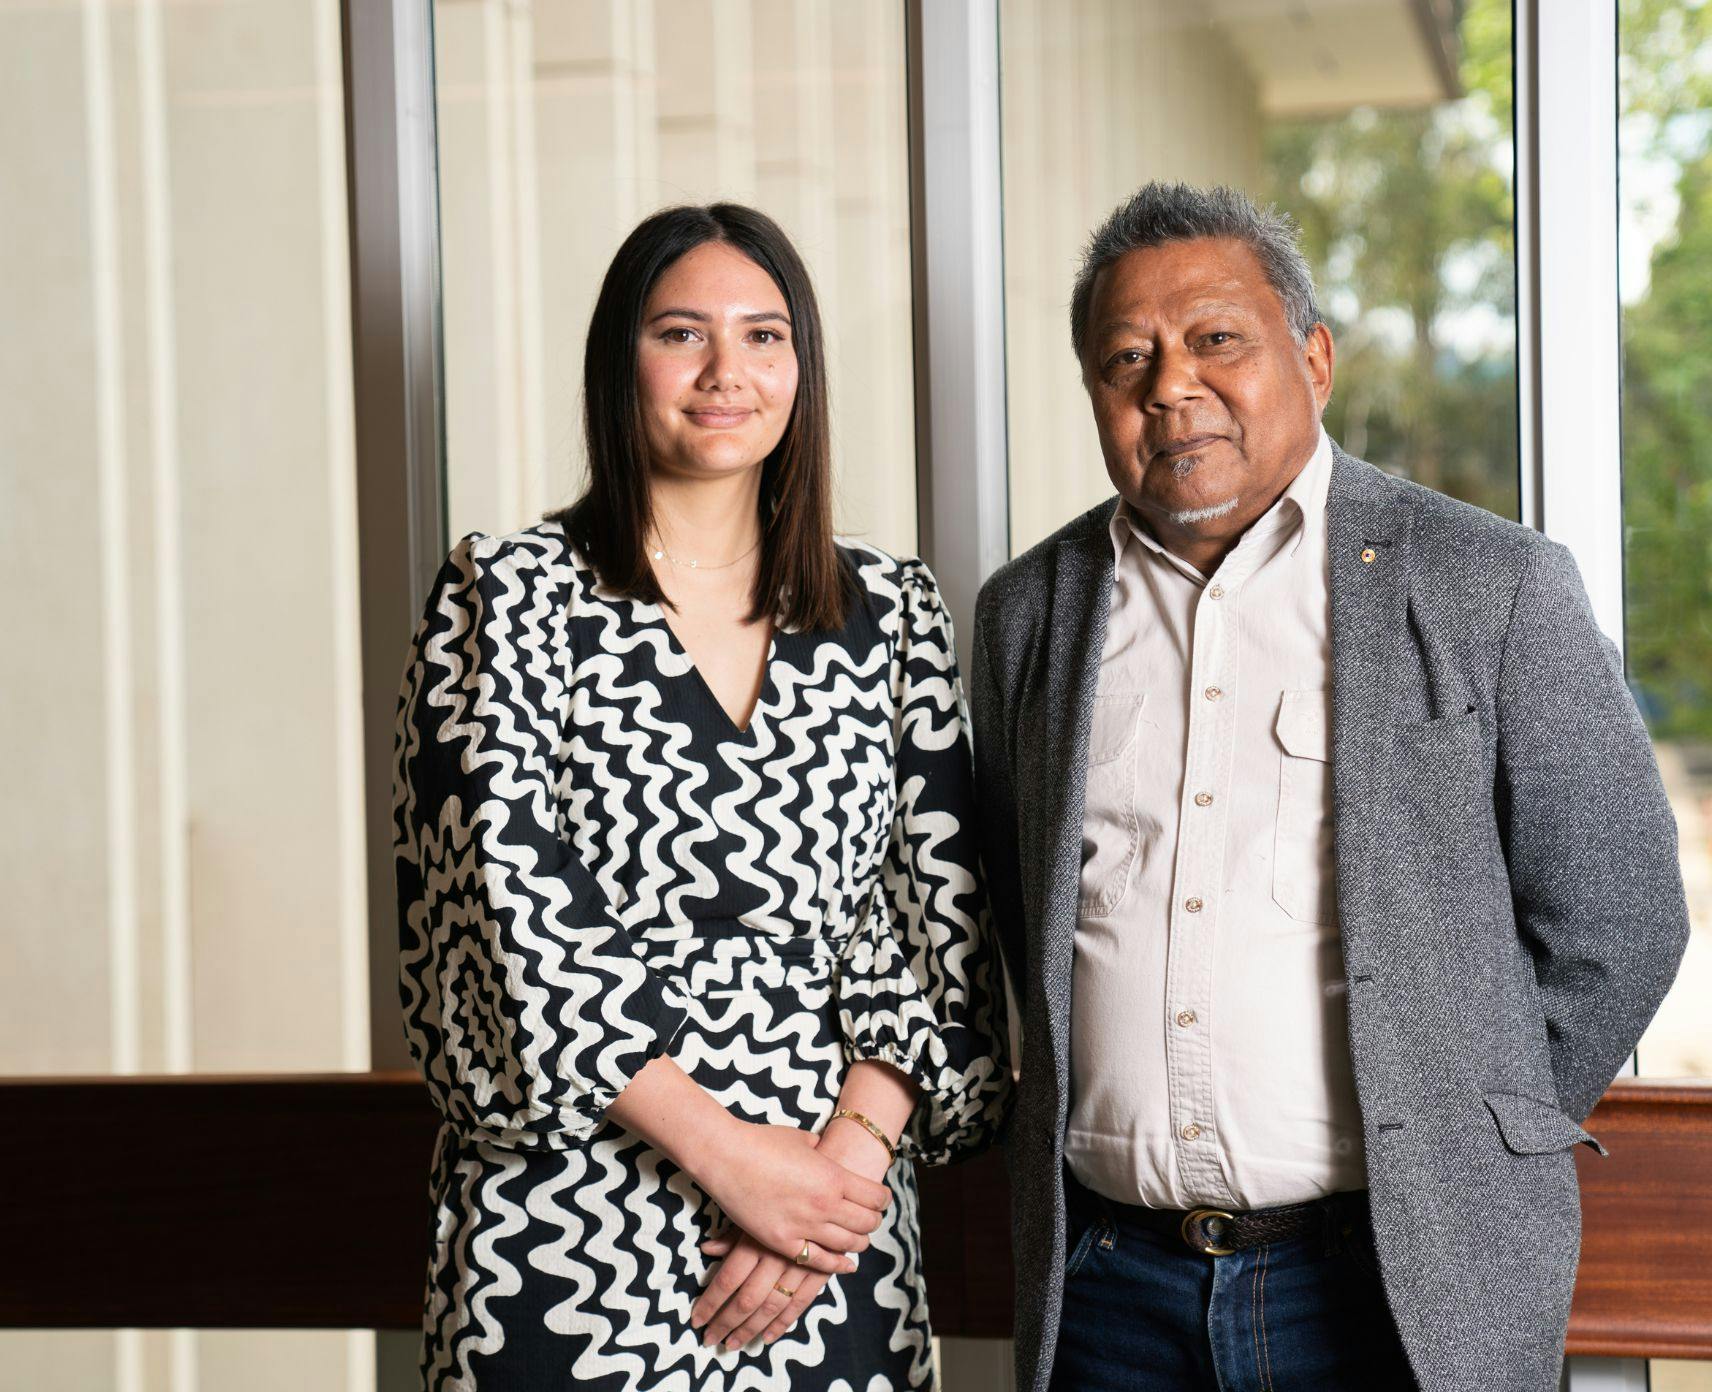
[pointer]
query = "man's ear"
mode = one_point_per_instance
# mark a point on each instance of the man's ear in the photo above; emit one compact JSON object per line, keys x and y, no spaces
{"x":1320,"y":354}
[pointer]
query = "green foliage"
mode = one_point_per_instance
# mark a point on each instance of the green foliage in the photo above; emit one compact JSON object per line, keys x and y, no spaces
{"x":1667,"y":378}
{"x":1666,"y":59}
{"x":1407,"y":215}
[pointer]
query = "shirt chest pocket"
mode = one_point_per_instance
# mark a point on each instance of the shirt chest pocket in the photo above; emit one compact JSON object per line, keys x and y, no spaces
{"x":1113,"y":831}
{"x":1304,"y":871}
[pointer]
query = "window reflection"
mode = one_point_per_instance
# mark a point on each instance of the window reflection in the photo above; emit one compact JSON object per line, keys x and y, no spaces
{"x":1387,"y":135}
{"x":182,"y":845}
{"x":562,"y":124}
{"x":1408,"y":216}
{"x":1665,"y":242}
{"x":185,"y":837}
{"x":1665,"y":178}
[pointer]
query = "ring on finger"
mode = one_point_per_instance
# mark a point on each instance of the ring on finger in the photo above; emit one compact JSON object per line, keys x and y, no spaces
{"x":789,"y":1294}
{"x":801,"y":1257}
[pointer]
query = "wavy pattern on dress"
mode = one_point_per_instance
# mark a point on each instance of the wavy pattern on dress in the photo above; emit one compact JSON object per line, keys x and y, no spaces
{"x":595,"y":867}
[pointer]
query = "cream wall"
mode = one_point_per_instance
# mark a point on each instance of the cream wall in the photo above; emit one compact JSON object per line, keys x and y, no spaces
{"x":564,"y":122}
{"x":1099,"y":97}
{"x":182,"y":846}
{"x":180,"y":510}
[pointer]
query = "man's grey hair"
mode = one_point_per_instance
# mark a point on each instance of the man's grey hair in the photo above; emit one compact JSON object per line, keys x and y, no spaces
{"x":1158,"y":213}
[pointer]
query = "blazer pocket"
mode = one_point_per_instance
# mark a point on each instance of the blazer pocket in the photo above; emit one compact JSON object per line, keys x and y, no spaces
{"x":1304,"y":871}
{"x":1530,"y":1126}
{"x":1458,"y":725}
{"x":1111,"y":826}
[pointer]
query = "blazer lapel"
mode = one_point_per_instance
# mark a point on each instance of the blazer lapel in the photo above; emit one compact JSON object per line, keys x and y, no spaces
{"x":1076,"y":638}
{"x":1369,"y":518}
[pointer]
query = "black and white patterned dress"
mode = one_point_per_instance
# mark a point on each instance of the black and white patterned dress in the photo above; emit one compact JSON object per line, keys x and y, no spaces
{"x":596,"y":867}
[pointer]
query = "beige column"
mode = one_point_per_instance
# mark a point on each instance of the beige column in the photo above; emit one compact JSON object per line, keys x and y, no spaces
{"x":477,"y":256}
{"x":1027,"y":194}
{"x":705,"y":116}
{"x":593,"y":96}
{"x":1099,"y":98}
{"x":794,"y":82}
{"x":872,"y":343}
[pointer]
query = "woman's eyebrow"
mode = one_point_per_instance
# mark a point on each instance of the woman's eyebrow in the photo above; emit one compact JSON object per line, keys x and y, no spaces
{"x":760,"y":316}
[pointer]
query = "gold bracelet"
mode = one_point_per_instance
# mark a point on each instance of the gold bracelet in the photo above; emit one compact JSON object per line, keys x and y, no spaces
{"x":869,"y":1127}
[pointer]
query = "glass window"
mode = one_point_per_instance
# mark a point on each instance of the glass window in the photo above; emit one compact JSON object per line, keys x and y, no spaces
{"x":563,"y":124}
{"x":1387,"y":133}
{"x":186,"y":831}
{"x":1665,"y":266}
{"x":182,"y":842}
{"x":1665,"y":179}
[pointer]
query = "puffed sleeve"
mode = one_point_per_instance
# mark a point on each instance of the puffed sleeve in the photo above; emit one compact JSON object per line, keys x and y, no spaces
{"x":526,"y":1006}
{"x":920,"y":986}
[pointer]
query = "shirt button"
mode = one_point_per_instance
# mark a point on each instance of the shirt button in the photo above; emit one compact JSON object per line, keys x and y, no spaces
{"x":1216,"y":592}
{"x":1191,"y":1131}
{"x":1192,"y":905}
{"x":1185,"y":1018}
{"x":1213,"y":693}
{"x":1203,"y":799}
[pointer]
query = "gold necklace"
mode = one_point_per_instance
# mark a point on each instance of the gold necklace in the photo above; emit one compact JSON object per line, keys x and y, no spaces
{"x":661,"y":553}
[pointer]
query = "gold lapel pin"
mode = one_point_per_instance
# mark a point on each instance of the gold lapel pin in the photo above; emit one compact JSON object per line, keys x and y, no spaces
{"x":1368,"y":555}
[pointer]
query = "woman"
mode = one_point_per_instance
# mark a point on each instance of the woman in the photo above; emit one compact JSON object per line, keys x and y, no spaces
{"x":693,"y":940}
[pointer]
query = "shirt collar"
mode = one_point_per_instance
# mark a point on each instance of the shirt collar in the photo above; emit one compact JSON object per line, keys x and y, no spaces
{"x":1301,"y":505}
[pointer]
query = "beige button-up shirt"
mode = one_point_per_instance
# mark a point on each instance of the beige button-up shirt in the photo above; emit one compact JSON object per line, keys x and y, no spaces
{"x":1209,"y":1058}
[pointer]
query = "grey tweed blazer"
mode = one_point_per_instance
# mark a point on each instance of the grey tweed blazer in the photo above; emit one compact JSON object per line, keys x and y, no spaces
{"x":1509,"y":898}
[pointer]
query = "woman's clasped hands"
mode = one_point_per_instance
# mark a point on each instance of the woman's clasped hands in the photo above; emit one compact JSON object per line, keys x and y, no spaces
{"x":798,"y":1206}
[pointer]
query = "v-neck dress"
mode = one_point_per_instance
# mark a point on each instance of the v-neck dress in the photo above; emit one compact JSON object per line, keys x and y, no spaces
{"x":597,"y":867}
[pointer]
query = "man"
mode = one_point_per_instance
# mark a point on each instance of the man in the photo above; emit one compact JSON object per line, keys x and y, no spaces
{"x":1331,"y":862}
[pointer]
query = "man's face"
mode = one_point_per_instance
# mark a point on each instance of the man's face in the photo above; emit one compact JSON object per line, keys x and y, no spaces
{"x":1206,"y":404}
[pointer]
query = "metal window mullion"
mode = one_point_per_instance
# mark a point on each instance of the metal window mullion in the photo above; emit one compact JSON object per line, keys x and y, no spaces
{"x":393,"y":196}
{"x":957,"y":254}
{"x":395,"y":314}
{"x":1566,"y":87}
{"x":1527,"y":194}
{"x":1606,"y":1375}
{"x":962,"y":464}
{"x":1570,"y":319}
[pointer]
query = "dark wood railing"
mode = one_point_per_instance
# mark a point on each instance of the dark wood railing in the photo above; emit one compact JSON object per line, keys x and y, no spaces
{"x":1645,"y":1284}
{"x":301,"y":1202}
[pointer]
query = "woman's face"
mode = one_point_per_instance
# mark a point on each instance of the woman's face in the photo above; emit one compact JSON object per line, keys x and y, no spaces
{"x":715,"y":367}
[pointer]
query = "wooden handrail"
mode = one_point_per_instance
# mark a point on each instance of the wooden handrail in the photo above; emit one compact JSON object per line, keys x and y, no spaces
{"x":1645,"y":1285}
{"x":301,"y":1202}
{"x":216,"y":1203}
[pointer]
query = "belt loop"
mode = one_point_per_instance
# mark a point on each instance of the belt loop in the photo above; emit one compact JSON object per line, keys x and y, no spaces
{"x":1344,"y":1214}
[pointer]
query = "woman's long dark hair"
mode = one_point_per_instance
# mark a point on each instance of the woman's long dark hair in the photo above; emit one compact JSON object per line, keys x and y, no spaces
{"x":800,"y":579}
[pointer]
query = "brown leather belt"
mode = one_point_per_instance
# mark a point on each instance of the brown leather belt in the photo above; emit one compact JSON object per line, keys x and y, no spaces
{"x":1217,"y":1232}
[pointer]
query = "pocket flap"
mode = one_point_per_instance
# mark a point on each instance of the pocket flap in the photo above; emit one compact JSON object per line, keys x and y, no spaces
{"x":1532,"y":1127}
{"x":1113,"y":725}
{"x":1304,"y":724}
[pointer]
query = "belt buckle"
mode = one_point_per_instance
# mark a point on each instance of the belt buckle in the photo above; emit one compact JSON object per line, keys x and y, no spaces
{"x":1192,"y":1221}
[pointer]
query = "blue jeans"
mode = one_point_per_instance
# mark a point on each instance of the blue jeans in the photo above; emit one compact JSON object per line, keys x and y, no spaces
{"x":1145,"y":1313}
